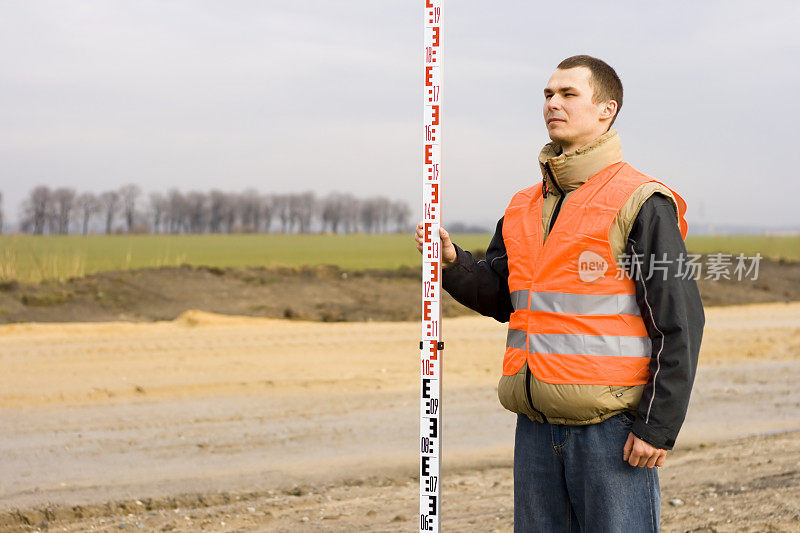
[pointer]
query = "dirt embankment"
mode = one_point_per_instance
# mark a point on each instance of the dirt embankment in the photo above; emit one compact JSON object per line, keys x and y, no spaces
{"x":320,"y":293}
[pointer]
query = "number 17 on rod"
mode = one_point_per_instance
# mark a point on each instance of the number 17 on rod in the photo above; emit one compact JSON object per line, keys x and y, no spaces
{"x":431,"y":345}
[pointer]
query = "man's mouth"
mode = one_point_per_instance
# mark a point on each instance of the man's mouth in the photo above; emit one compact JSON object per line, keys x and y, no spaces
{"x":554,"y":119}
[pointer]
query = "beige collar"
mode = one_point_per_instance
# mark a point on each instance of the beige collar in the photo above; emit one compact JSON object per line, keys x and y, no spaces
{"x":572,"y":169}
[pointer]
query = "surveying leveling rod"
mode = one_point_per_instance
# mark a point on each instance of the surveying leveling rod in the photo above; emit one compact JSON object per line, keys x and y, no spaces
{"x":431,"y":345}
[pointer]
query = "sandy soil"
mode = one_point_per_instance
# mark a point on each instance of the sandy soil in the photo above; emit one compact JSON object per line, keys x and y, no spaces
{"x":224,"y":423}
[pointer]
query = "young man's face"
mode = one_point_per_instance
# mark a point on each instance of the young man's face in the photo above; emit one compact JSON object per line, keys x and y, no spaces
{"x":572,"y":119}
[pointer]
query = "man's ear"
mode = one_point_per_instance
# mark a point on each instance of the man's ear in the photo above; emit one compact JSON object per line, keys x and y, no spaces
{"x":609,"y":110}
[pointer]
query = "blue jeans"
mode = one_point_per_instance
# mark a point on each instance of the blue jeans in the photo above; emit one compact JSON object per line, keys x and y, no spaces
{"x":573,"y":478}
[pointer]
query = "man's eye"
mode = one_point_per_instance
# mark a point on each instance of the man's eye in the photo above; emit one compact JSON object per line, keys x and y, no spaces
{"x":569,"y":94}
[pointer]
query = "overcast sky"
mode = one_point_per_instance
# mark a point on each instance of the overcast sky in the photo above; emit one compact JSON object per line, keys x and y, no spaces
{"x":327,"y":96}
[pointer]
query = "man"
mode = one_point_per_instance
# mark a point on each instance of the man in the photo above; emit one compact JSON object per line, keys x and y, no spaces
{"x":605,"y":325}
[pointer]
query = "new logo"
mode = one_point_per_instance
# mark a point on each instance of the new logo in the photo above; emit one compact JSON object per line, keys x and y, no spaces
{"x":591,"y":266}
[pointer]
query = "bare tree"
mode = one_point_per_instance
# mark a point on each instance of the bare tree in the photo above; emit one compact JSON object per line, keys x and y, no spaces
{"x":370,"y":215}
{"x":196,"y":211}
{"x":35,"y":209}
{"x":216,"y":207}
{"x":128,"y":194}
{"x":268,"y":210}
{"x":158,"y":210}
{"x":382,"y":213}
{"x":63,"y":203}
{"x":109,"y":201}
{"x":51,"y":217}
{"x":294,"y":211}
{"x":283,"y":210}
{"x":400,"y":212}
{"x":329,"y":215}
{"x":301,"y":210}
{"x":88,"y":205}
{"x":334,"y":211}
{"x":250,"y":208}
{"x":231,"y":212}
{"x":52,"y":211}
{"x":352,"y":207}
{"x":176,"y":211}
{"x":257,"y":211}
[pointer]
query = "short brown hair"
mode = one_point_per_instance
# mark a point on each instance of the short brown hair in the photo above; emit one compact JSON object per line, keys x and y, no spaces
{"x":604,"y":80}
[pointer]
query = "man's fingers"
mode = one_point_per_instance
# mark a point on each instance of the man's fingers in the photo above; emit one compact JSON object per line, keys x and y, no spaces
{"x":636,"y":458}
{"x":626,"y":450}
{"x":642,"y":454}
{"x":444,"y":235}
{"x":642,"y":460}
{"x":448,"y":251}
{"x":652,"y":461}
{"x":633,"y":459}
{"x":418,"y":235}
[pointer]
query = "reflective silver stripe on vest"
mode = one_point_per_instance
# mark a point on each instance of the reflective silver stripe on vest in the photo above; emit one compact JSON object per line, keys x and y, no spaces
{"x":516,"y":339}
{"x":519,"y":299}
{"x":590,"y":345}
{"x":584,"y":304}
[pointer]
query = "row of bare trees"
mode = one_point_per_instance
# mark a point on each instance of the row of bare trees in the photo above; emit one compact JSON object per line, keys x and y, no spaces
{"x":124,"y":210}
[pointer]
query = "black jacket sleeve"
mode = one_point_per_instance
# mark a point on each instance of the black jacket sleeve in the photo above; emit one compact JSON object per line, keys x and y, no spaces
{"x":673,"y":314}
{"x":482,"y":285}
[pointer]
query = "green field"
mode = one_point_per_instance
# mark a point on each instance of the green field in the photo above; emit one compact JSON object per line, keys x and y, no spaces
{"x":32,"y":258}
{"x":775,"y":247}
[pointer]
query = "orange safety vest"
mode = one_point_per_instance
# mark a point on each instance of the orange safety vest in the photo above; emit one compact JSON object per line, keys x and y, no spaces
{"x":575,"y":317}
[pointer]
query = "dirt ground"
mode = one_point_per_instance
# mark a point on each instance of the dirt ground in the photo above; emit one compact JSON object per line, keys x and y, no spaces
{"x":320,"y":293}
{"x":230,"y":423}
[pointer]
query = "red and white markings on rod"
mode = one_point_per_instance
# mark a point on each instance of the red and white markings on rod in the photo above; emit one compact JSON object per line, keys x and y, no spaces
{"x":431,"y":346}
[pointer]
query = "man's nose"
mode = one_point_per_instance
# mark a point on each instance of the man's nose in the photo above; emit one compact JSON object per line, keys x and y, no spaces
{"x":554,"y":102}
